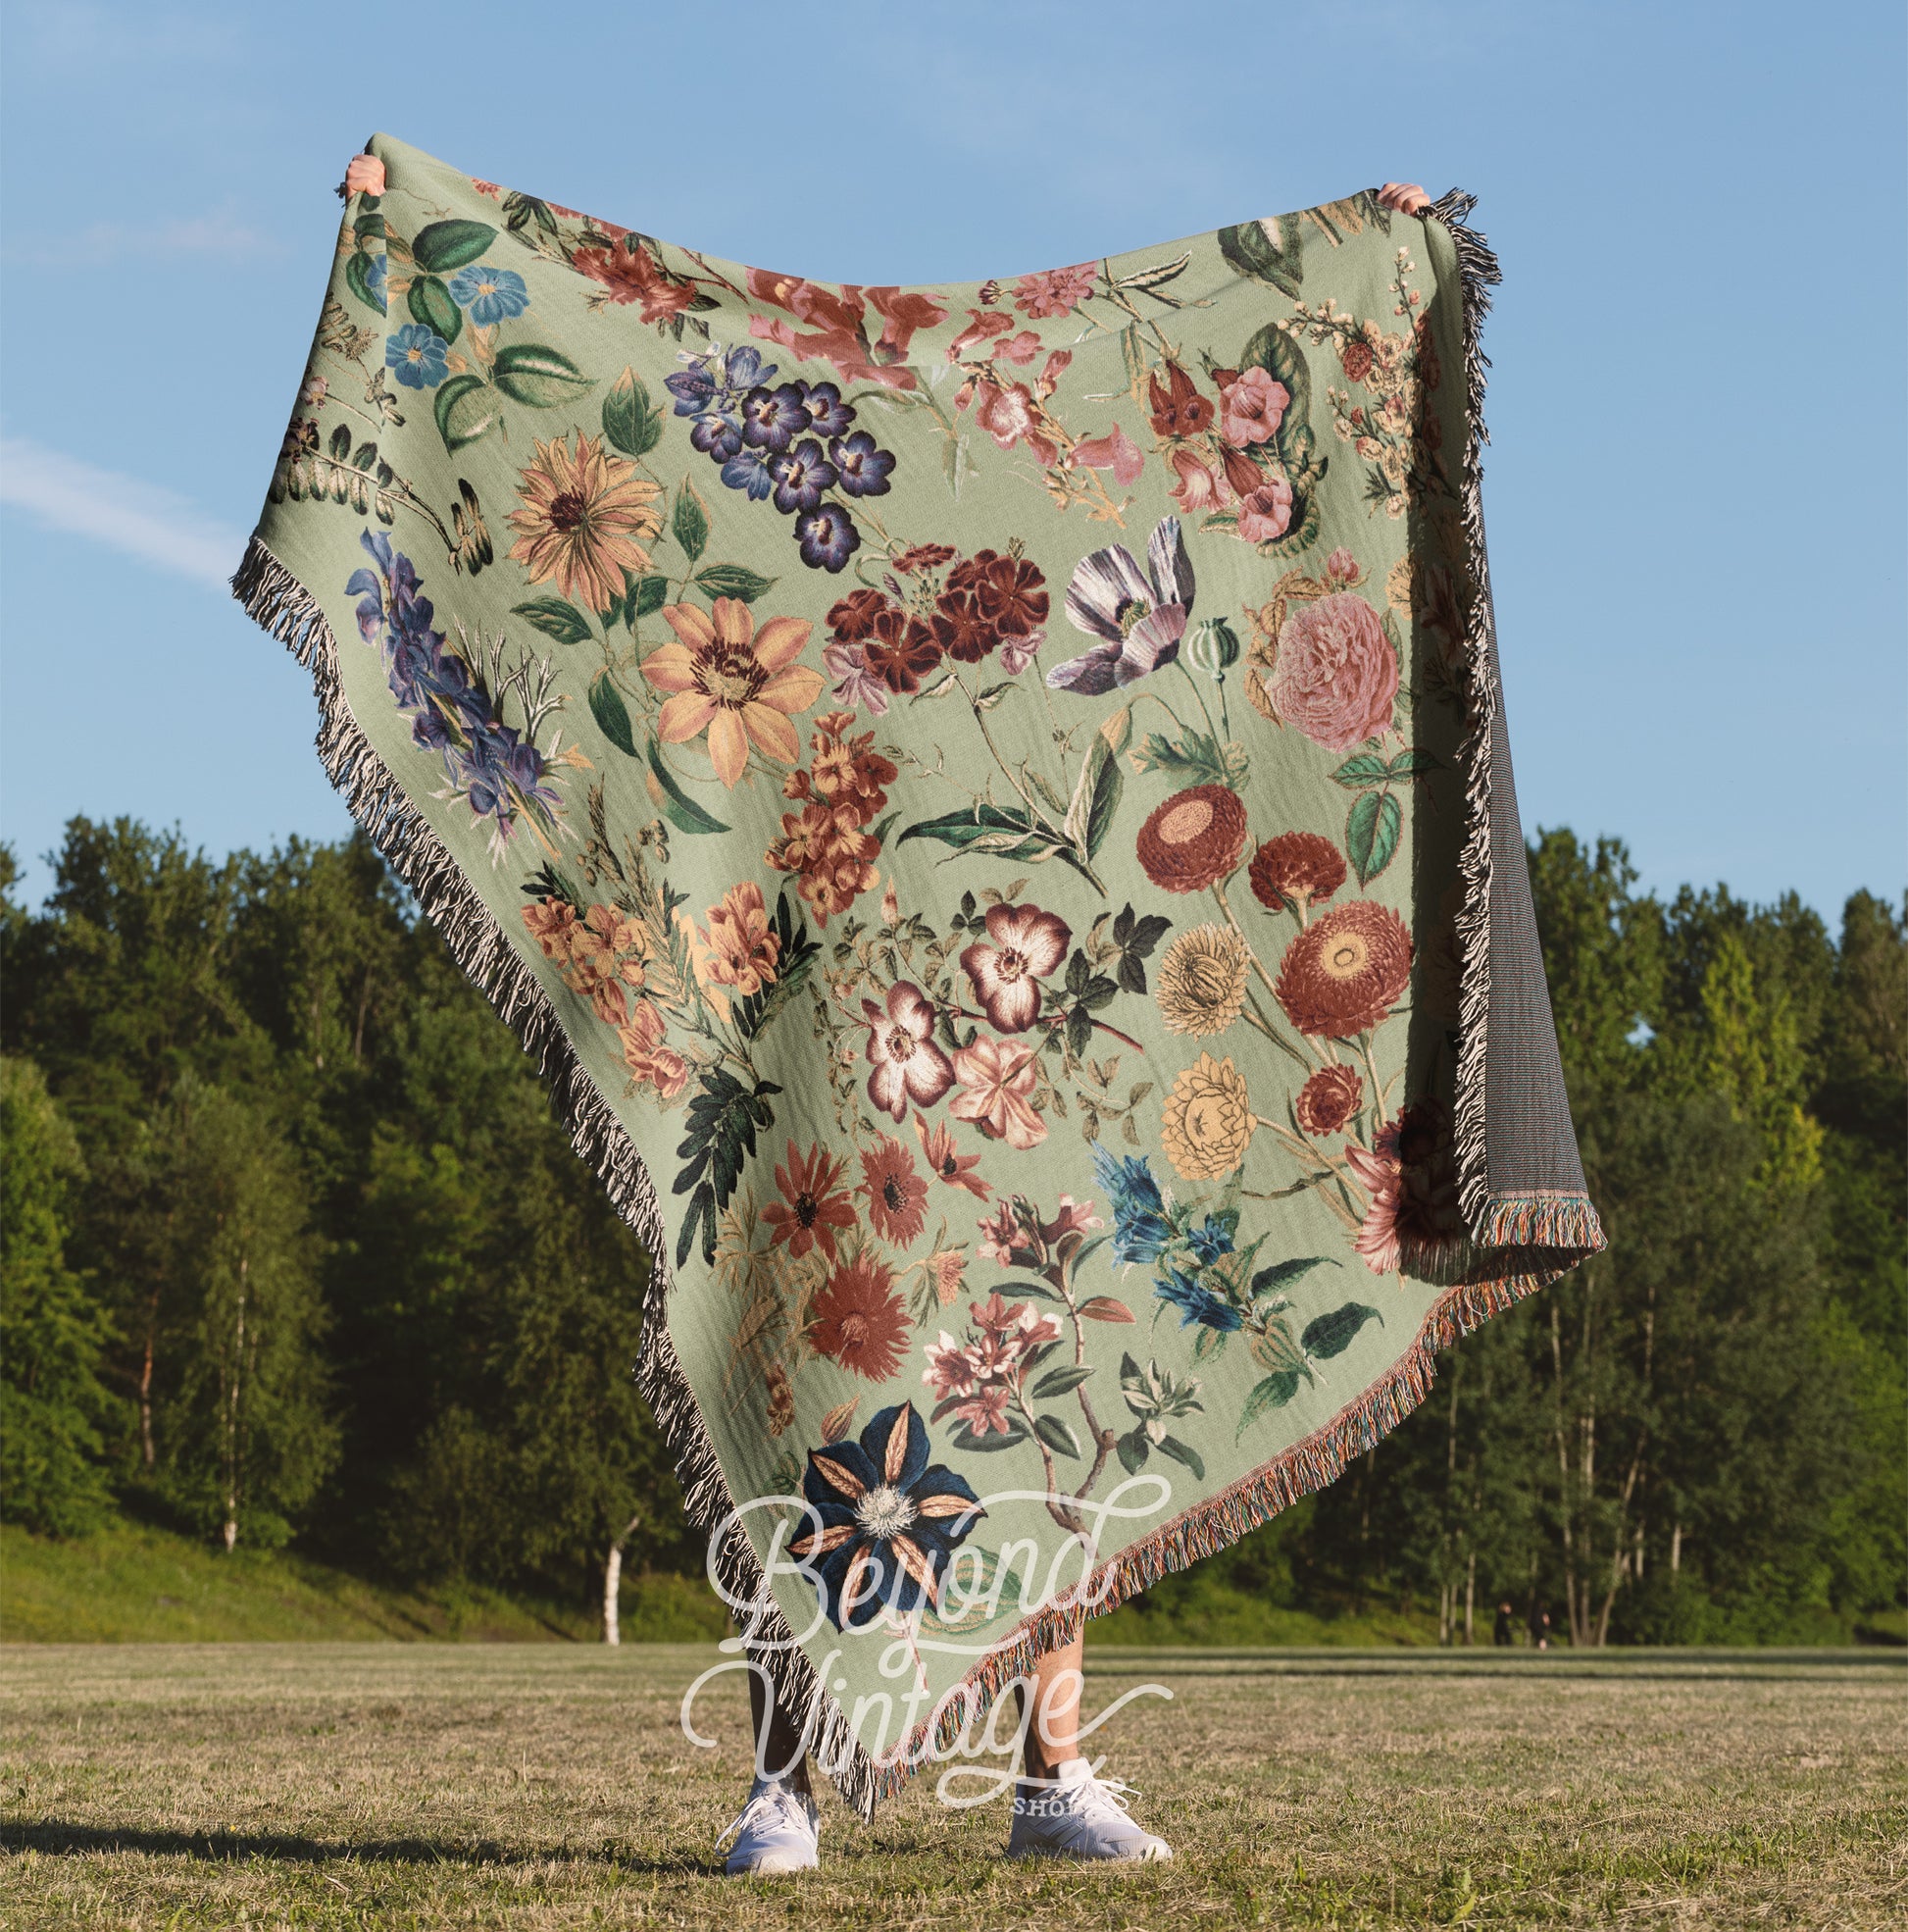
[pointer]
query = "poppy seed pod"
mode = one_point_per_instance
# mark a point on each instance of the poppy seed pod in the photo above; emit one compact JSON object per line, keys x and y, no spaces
{"x":1212,"y":647}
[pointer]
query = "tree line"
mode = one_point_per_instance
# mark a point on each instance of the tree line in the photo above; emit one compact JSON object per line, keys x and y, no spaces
{"x":295,"y":1249}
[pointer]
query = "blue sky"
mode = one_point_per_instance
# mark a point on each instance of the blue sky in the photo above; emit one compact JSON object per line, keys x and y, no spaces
{"x":1695,"y":486}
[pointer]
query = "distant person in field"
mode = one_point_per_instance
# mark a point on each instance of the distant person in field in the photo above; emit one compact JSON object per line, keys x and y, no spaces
{"x":1061,"y":1808}
{"x":1540,"y":1626}
{"x":1504,"y":1636}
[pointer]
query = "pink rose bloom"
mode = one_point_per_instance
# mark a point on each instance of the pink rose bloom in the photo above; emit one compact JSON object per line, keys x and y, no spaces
{"x":908,"y":1065}
{"x":1201,"y":486}
{"x":997,"y":1084}
{"x":1267,"y":512}
{"x":1252,"y":408}
{"x":1026,"y":944}
{"x":1338,"y":676}
{"x":1341,"y":567}
{"x":1116,"y":451}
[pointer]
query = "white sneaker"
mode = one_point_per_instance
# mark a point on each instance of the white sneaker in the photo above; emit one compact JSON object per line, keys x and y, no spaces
{"x":1075,"y":1815}
{"x":780,"y":1828}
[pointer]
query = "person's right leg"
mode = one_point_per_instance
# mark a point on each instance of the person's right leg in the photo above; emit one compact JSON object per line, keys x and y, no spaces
{"x":778,"y":1828}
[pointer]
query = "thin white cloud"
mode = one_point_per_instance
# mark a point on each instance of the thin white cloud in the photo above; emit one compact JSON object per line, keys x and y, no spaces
{"x":218,"y":232}
{"x":157,"y":526}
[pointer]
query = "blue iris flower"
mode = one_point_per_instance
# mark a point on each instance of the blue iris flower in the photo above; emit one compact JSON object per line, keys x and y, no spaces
{"x":415,"y":355}
{"x":490,"y":294}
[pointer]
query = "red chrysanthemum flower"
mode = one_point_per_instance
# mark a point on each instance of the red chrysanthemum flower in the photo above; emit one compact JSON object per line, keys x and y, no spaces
{"x":1297,"y":869}
{"x":1342,"y":974}
{"x":812,"y":1205}
{"x":1193,"y":839}
{"x":860,"y":1322}
{"x":895,"y":1193}
{"x":1328,"y":1099}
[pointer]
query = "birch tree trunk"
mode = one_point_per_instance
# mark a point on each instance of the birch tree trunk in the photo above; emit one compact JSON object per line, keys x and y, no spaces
{"x":613,"y":1582}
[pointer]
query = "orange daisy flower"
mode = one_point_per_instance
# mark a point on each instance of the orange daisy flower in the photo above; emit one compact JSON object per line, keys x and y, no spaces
{"x":811,"y":1206}
{"x":584,"y":516}
{"x":739,"y":684}
{"x":895,"y":1193}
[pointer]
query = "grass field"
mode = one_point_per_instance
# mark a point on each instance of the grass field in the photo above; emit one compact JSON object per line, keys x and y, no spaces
{"x":543,"y":1786}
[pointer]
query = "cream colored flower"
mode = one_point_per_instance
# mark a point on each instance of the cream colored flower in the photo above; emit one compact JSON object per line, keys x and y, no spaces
{"x":1209,"y":1120}
{"x":1202,"y":981}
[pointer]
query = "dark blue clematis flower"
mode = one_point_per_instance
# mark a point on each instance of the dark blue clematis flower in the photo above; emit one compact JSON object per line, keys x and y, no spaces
{"x":889,"y":1520}
{"x":377,"y":274}
{"x":800,"y":476}
{"x":828,"y":414}
{"x":415,"y":355}
{"x":490,"y":294}
{"x":1195,"y":1302}
{"x":826,"y":537}
{"x":864,"y":468}
{"x":771,"y":419}
{"x":1140,"y":1229}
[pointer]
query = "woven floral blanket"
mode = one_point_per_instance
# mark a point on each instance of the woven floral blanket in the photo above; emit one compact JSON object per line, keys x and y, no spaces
{"x":990,"y":803}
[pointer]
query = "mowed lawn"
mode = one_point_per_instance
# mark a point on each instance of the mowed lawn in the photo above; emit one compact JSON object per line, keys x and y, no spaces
{"x":400,"y":1785}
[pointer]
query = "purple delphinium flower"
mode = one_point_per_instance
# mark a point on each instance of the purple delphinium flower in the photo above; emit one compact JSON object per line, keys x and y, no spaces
{"x":826,"y":537}
{"x":864,"y":468}
{"x":801,"y":475}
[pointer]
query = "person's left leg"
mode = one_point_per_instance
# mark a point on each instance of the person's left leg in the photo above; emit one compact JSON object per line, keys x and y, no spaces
{"x":1061,"y":1811}
{"x":779,"y":1829}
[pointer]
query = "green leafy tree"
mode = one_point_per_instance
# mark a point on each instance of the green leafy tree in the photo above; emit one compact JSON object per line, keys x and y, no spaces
{"x":52,"y":1335}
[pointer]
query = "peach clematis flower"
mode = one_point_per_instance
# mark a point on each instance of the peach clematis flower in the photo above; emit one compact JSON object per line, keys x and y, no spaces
{"x":997,"y":1084}
{"x":739,"y":684}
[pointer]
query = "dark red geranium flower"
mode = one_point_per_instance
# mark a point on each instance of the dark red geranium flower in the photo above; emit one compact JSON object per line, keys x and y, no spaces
{"x":902,"y":650}
{"x":961,"y":629}
{"x":1013,"y":594}
{"x":922,"y":556}
{"x":852,"y":618}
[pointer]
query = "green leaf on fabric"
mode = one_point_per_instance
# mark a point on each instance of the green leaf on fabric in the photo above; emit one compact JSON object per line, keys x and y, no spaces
{"x":643,"y":596}
{"x":1006,"y":831}
{"x":1131,"y":1450}
{"x":733,"y":581}
{"x":1104,"y":1308}
{"x":430,"y":304}
{"x":1057,"y":1381}
{"x":1360,"y":769}
{"x":964,"y":1439}
{"x":1274,"y":1392}
{"x":674,"y":803}
{"x":1372,"y":833}
{"x":689,"y":521}
{"x":556,"y":619}
{"x":1057,"y":1436}
{"x":465,"y":406}
{"x":1331,"y":1335}
{"x":1184,"y":1452}
{"x":976,"y":1591}
{"x":1095,"y":799}
{"x":539,"y":377}
{"x":630,"y":420}
{"x":357,"y":277}
{"x":1281,"y":1274}
{"x":445,"y":245}
{"x":611,"y":715}
{"x":1278,"y":258}
{"x":795,"y":955}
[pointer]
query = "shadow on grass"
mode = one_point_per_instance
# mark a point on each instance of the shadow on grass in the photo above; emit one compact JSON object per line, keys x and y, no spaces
{"x":55,"y":1838}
